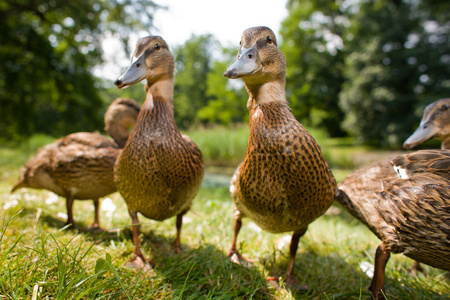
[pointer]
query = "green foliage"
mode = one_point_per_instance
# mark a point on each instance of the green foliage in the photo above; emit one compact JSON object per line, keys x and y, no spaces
{"x":221,"y":146}
{"x":202,"y":94}
{"x":227,"y":99}
{"x":396,"y":61}
{"x":193,"y":63}
{"x":312,"y":43}
{"x":110,"y":93}
{"x":47,"y":52}
{"x":369,"y":67}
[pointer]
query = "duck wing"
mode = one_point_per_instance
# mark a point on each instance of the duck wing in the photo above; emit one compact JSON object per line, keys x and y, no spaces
{"x":429,"y":161}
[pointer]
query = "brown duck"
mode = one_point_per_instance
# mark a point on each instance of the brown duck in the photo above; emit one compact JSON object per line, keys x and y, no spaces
{"x":435,"y":124}
{"x":284,"y":183}
{"x":409,"y":211}
{"x":80,"y":165}
{"x":159,"y":171}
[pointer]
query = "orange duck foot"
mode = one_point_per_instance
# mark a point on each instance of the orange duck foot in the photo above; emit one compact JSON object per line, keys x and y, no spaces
{"x":239,"y":259}
{"x":139,"y":263}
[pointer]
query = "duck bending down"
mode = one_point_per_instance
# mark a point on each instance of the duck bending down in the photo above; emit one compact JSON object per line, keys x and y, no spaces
{"x":284,"y":183}
{"x":81,"y":165}
{"x":408,"y":212}
{"x":159,"y":172}
{"x":435,"y":123}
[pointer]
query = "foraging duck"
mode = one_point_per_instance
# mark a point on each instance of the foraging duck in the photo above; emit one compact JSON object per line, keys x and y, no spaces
{"x":81,"y":165}
{"x":159,"y":172}
{"x":435,"y":123}
{"x":408,"y":212}
{"x":284,"y":183}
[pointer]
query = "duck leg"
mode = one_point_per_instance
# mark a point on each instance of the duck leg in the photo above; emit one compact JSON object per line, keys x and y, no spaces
{"x":179,"y":224}
{"x":381,"y":258}
{"x":291,"y":281}
{"x":69,"y":205}
{"x":96,"y":224}
{"x":233,"y":254}
{"x":138,"y":261}
{"x":237,"y":228}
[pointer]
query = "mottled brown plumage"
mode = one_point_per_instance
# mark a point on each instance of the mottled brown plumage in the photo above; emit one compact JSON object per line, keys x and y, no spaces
{"x":78,"y":166}
{"x":159,"y":171}
{"x":120,"y":118}
{"x":284,"y":183}
{"x":435,"y":123}
{"x":409,"y":212}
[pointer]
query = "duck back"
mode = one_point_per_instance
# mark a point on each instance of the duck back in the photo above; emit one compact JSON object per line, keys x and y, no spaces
{"x":405,"y":202}
{"x":418,"y":209}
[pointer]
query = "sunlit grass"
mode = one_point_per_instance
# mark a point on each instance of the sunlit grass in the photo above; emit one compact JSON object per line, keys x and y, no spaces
{"x":42,"y":260}
{"x":221,"y":146}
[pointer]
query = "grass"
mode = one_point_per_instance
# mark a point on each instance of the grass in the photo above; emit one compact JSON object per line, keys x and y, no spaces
{"x":42,"y":260}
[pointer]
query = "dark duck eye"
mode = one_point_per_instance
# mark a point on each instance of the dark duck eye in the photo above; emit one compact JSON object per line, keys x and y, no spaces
{"x":269,"y":40}
{"x":444,"y":107}
{"x":157,"y":47}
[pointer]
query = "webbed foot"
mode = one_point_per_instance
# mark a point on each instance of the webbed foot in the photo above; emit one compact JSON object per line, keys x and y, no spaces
{"x":139,"y":263}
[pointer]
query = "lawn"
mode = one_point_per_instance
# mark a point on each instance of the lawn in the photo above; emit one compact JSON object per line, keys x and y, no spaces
{"x":42,"y":260}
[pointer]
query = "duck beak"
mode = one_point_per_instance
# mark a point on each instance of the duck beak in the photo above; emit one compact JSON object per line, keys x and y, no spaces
{"x":247,"y":63}
{"x":426,"y":131}
{"x":134,"y":74}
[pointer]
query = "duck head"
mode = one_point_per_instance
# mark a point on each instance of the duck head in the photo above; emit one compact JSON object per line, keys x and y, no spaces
{"x":261,"y":65}
{"x":120,"y":118}
{"x":152,"y":60}
{"x":435,"y":123}
{"x":259,"y":60}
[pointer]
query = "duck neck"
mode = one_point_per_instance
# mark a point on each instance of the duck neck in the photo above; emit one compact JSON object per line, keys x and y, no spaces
{"x":272,"y":91}
{"x":161,"y":90}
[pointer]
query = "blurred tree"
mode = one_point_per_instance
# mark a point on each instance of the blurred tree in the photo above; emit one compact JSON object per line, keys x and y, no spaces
{"x":111,"y":92}
{"x":397,"y":60}
{"x":312,"y":43}
{"x":193,"y":63}
{"x":226,"y":98}
{"x":47,"y":52}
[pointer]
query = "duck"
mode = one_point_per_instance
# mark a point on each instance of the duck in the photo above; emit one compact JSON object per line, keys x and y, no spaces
{"x":80,"y":166}
{"x":435,"y":123}
{"x":408,"y":211}
{"x":284,"y":182}
{"x":159,"y":171}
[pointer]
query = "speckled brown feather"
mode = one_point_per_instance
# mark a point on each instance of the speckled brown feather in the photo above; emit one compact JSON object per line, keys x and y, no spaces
{"x":284,"y":183}
{"x":411,"y":215}
{"x":357,"y":189}
{"x":418,"y":210}
{"x":159,"y":172}
{"x":430,"y":161}
{"x":124,"y":110}
{"x":85,"y":171}
{"x":78,"y":166}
